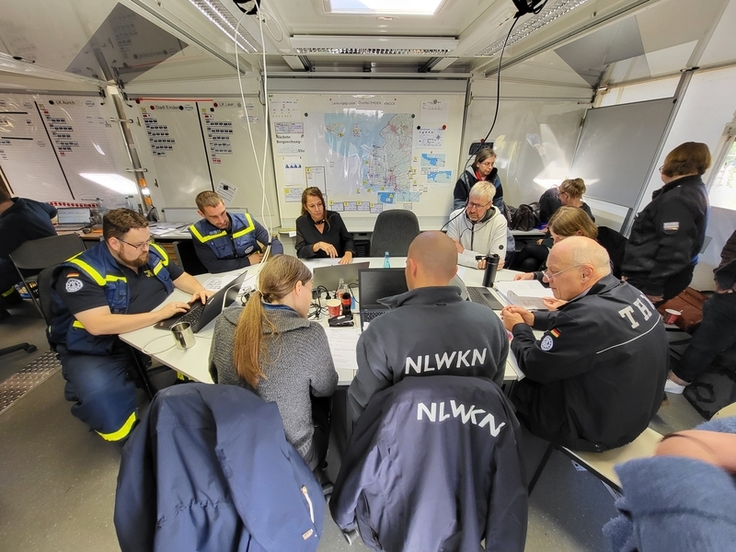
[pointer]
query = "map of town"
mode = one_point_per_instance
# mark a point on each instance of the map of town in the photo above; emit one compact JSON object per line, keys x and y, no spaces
{"x":370,"y":152}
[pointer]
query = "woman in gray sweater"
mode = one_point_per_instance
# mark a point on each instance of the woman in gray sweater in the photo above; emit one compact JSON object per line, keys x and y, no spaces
{"x":270,"y":348}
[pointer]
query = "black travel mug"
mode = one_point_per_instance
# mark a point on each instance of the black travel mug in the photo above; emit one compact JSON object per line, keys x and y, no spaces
{"x":489,"y":276}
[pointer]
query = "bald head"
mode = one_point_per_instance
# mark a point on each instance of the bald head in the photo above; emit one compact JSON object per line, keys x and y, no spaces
{"x":431,"y":261}
{"x":576,"y":264}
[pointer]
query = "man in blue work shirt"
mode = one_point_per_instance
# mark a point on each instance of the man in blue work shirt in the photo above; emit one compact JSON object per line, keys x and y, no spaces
{"x":227,"y":242}
{"x":103,"y":292}
{"x":20,"y":220}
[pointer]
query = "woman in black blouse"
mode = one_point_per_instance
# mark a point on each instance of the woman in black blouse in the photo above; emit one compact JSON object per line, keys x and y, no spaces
{"x":321,"y":233}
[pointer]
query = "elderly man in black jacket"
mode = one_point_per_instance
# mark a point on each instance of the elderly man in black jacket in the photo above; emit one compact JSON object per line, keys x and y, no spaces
{"x":594,"y":380}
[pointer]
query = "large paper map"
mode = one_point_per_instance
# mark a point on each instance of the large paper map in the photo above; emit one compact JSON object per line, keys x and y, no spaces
{"x":369,"y":152}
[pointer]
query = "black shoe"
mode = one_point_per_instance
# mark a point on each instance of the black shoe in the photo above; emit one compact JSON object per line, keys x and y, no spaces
{"x":13,"y":298}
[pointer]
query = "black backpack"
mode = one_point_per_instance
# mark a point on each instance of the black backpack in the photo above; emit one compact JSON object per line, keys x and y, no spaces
{"x":712,"y":390}
{"x":525,"y":217}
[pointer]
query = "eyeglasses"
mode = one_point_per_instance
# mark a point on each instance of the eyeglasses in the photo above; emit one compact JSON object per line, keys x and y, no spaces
{"x":479,"y":205}
{"x":140,"y":246}
{"x":549,"y":276}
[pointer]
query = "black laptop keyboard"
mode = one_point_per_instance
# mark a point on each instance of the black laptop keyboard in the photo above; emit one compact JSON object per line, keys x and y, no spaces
{"x":192,"y":316}
{"x":477,"y":296}
{"x":368,"y":316}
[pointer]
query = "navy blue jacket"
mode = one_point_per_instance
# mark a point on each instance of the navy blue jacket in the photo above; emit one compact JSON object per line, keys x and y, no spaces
{"x":25,"y":220}
{"x":209,"y":469}
{"x":433,"y":465}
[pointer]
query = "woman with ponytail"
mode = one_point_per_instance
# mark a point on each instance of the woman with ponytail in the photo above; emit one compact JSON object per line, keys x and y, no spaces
{"x":270,"y":348}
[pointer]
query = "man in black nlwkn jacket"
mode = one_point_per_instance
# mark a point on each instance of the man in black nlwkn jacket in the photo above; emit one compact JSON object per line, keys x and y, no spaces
{"x":594,"y":380}
{"x":433,"y":465}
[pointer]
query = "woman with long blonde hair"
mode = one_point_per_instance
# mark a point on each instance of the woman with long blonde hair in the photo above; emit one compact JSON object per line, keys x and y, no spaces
{"x":271,"y":348}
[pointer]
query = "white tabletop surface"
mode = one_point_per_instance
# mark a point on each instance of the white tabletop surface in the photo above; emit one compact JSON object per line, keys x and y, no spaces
{"x":194,"y":362}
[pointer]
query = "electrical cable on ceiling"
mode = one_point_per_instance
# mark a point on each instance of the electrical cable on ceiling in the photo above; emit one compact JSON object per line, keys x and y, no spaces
{"x":529,"y":9}
{"x":260,"y":166}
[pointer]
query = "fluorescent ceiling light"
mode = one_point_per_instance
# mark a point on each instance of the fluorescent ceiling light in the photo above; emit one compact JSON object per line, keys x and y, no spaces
{"x":226,"y":22}
{"x":114,"y":182}
{"x":374,"y":45}
{"x":407,"y":7}
{"x":552,"y":11}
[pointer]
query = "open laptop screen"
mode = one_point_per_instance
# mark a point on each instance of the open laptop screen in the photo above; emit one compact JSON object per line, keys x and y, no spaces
{"x":377,"y":283}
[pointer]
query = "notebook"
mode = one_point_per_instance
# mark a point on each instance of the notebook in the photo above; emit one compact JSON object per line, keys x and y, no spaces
{"x":72,"y":218}
{"x":375,"y":284}
{"x":202,"y":314}
{"x":329,"y":276}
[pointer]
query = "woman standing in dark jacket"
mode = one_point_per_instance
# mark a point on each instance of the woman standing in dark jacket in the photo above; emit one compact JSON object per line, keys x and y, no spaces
{"x":669,"y":233}
{"x":483,"y":168}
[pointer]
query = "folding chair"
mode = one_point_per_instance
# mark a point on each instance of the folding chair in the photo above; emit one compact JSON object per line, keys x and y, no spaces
{"x":601,"y":464}
{"x":35,"y":255}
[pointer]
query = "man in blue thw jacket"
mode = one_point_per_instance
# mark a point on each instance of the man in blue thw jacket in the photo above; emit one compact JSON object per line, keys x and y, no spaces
{"x":225,"y":241}
{"x":105,"y":291}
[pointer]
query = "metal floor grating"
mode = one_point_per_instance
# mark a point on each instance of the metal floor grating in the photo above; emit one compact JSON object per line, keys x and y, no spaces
{"x":29,"y":377}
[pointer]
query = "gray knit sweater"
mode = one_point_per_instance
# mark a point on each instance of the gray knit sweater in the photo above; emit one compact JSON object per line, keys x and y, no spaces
{"x":300,"y":364}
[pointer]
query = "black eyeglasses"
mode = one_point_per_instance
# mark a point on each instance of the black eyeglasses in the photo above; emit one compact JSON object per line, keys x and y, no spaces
{"x":140,"y":246}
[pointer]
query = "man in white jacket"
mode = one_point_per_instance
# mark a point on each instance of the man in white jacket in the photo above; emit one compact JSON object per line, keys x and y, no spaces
{"x":479,"y":228}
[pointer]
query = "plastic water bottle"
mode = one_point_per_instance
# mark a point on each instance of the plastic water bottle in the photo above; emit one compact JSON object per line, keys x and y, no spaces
{"x":386,"y":260}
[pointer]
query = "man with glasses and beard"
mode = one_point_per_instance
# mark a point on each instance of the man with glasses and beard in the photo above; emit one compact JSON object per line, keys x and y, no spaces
{"x":105,"y":291}
{"x":478,"y":229}
{"x":594,"y":380}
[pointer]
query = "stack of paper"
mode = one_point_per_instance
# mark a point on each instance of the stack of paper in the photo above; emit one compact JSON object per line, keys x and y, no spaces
{"x":524,"y":293}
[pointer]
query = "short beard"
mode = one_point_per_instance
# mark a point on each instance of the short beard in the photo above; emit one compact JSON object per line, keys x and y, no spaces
{"x":138,"y":261}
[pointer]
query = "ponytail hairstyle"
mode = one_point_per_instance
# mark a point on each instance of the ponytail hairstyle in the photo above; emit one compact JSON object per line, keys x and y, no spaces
{"x":277,"y":279}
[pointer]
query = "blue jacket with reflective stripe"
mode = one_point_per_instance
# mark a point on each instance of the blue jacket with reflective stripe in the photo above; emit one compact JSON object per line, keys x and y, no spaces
{"x":243,"y":241}
{"x":101,"y":267}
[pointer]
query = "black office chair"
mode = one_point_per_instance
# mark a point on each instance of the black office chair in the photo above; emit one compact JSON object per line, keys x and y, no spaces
{"x":35,"y":255}
{"x":393,"y":232}
{"x":188,"y":259}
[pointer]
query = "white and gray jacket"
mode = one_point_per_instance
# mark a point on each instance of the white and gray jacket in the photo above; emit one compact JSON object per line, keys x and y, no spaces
{"x":485,"y":237}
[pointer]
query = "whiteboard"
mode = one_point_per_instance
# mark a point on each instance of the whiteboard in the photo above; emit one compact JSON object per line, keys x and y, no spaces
{"x":89,"y":147}
{"x":26,"y":154}
{"x":57,"y":148}
{"x":205,"y":144}
{"x":367,"y":152}
{"x":179,"y":158}
{"x":617,"y":148}
{"x":233,"y":161}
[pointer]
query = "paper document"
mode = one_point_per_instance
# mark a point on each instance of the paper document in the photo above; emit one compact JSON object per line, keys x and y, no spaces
{"x":343,"y":342}
{"x":524,"y":293}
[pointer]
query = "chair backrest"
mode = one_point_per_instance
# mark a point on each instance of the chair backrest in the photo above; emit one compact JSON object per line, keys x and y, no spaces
{"x":44,"y":282}
{"x":35,"y":255}
{"x":188,"y":259}
{"x":393,"y":232}
{"x":725,"y":412}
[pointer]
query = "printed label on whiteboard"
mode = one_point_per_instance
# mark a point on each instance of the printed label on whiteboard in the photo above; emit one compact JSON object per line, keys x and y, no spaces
{"x":430,"y":137}
{"x":226,"y":191}
{"x":293,"y":195}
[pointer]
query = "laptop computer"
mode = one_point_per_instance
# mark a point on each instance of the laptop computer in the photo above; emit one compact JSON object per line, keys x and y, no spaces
{"x":375,"y":284}
{"x":202,"y":314}
{"x":329,"y":276}
{"x":484,"y":297}
{"x":72,"y":218}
